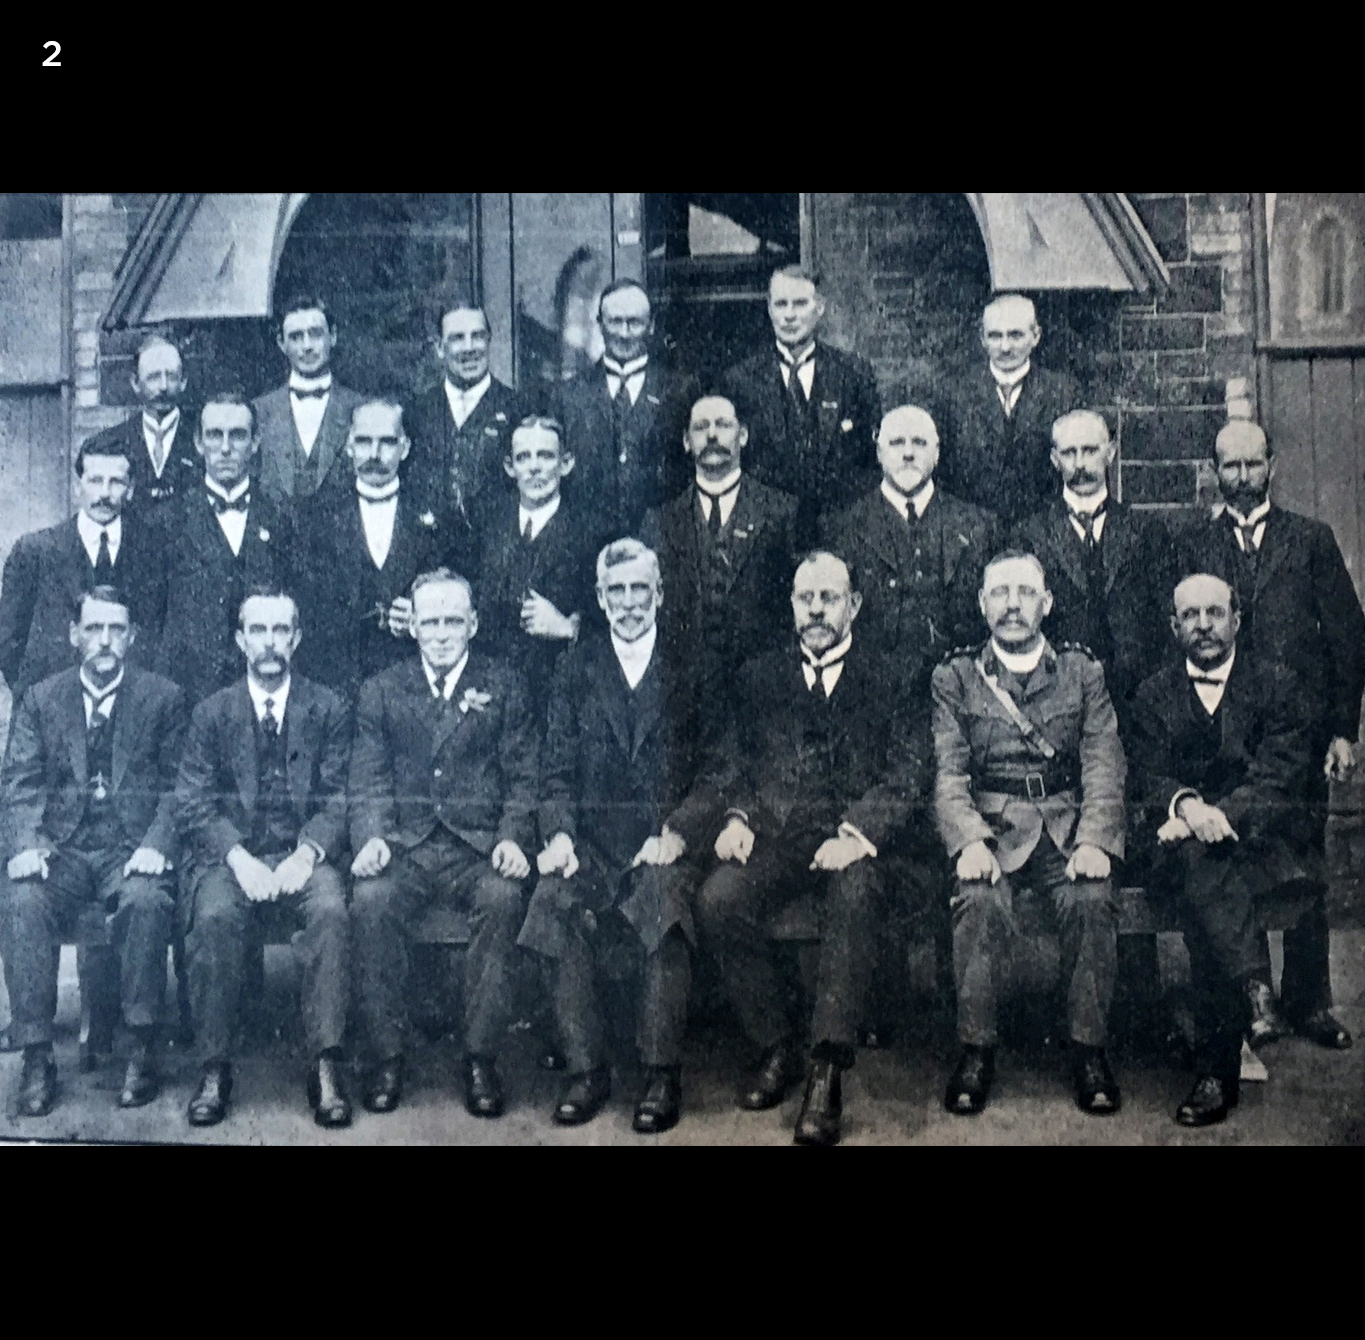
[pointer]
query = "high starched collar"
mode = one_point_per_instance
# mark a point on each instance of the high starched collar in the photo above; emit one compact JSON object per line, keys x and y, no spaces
{"x":625,"y":371}
{"x":375,"y":494}
{"x":903,"y":502}
{"x":1009,"y":380}
{"x":1253,"y":518}
{"x":1025,"y":664}
{"x":1218,"y":674}
{"x":96,"y":695}
{"x":797,"y":358}
{"x":1080,"y":506}
{"x":831,"y":657}
{"x":720,"y":487}
{"x":298,"y":382}
{"x":227,"y":495}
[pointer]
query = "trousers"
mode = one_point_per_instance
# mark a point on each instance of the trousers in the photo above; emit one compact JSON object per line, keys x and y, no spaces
{"x":387,"y":908}
{"x":38,"y":912}
{"x":984,"y":928}
{"x":1306,"y":986}
{"x":217,"y":922}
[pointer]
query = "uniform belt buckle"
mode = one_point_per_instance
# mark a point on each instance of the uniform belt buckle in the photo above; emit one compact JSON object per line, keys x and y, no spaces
{"x":1033,"y":784}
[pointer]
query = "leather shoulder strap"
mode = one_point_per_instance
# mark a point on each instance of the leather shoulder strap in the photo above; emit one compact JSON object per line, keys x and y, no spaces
{"x":1035,"y":738}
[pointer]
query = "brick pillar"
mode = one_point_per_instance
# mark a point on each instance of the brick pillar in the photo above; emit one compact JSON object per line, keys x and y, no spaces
{"x":99,"y":239}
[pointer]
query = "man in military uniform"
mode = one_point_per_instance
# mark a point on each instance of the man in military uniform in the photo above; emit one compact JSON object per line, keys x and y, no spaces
{"x":1029,"y":791}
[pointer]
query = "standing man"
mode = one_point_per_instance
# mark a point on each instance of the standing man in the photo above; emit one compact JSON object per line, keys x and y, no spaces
{"x":359,"y":549}
{"x":303,"y":423}
{"x":222,"y":539}
{"x":813,"y":409}
{"x":624,"y":417}
{"x":86,"y":808}
{"x":158,"y":441}
{"x":831,"y":757}
{"x":996,"y":445}
{"x":726,"y":548}
{"x":46,"y":571}
{"x":1109,"y":567}
{"x":621,"y":826}
{"x":1029,"y":789}
{"x":462,"y":432}
{"x":916,"y":548}
{"x":442,"y":805}
{"x":1298,"y":608}
{"x":262,"y":805}
{"x":1222,"y":745}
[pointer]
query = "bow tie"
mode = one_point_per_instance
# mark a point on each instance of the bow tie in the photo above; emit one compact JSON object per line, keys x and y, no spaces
{"x":1207,"y":679}
{"x":317,"y":392}
{"x":221,"y":505}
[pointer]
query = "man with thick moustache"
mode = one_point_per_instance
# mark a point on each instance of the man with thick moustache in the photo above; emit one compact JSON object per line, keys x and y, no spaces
{"x":1223,"y":750}
{"x":303,"y":423}
{"x":725,"y":546}
{"x":813,"y":409}
{"x":622,"y":818}
{"x":442,"y":805}
{"x":158,"y":440}
{"x":86,"y":810}
{"x":830,"y":757}
{"x":462,"y":431}
{"x":262,"y":806}
{"x":359,"y":549}
{"x":103,"y":544}
{"x":222,"y":539}
{"x":1109,"y":568}
{"x":996,"y":444}
{"x":1300,"y":609}
{"x":624,"y":417}
{"x":1029,"y":791}
{"x":917,"y":549}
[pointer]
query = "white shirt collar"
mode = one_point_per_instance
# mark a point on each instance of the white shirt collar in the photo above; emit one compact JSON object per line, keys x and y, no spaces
{"x":1254,"y":517}
{"x":445,"y":683}
{"x":1011,"y":379}
{"x":634,"y":657}
{"x":89,"y":530}
{"x":107,"y":691}
{"x":278,"y":697}
{"x":719,"y":488}
{"x":167,"y":425}
{"x":903,"y":503}
{"x":298,"y":382}
{"x":227,"y":496}
{"x":836,"y":653}
{"x":625,"y":371}
{"x":1017,"y":664}
{"x":371,"y":494}
{"x":1219,"y":672}
{"x":794,"y":358}
{"x":539,"y":517}
{"x":1084,"y":506}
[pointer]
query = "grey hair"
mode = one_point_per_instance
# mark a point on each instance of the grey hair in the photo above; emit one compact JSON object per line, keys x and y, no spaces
{"x":625,"y":551}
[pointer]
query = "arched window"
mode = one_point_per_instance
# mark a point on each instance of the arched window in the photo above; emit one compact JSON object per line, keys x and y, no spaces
{"x":1329,"y":268}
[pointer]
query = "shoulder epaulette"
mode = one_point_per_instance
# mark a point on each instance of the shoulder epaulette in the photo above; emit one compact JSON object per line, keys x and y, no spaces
{"x":1077,"y":646}
{"x":961,"y":651}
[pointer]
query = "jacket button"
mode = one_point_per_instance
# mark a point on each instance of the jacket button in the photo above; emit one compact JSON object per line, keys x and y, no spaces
{"x":437,"y":773}
{"x":892,"y":582}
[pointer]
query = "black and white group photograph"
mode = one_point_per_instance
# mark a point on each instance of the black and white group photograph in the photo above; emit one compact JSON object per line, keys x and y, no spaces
{"x":673,"y":669}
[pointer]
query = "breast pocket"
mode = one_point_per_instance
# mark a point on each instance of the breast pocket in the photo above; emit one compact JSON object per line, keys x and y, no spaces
{"x":1062,"y":720}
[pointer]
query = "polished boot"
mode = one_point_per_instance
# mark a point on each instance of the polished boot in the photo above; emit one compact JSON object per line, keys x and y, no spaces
{"x":482,"y":1087}
{"x":38,"y":1082}
{"x":661,"y":1102}
{"x":327,"y":1098}
{"x":209,"y":1105}
{"x":1097,"y":1091}
{"x":1266,"y":1024}
{"x":778,"y":1070}
{"x":384,"y":1088}
{"x":970,"y":1085}
{"x":1208,"y":1102}
{"x":583,"y":1097}
{"x":141,"y":1083}
{"x":1323,"y":1029}
{"x":822,"y":1107}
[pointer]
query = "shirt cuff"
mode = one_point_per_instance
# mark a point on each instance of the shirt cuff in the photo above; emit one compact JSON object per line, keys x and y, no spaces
{"x":1180,"y":795}
{"x":847,"y":830}
{"x":308,"y":842}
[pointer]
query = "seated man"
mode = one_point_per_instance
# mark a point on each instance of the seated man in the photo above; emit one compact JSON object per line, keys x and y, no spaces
{"x":1030,"y":792}
{"x":442,"y":798}
{"x":262,"y":806}
{"x":1223,"y":745}
{"x":622,"y":749}
{"x":830,"y":757}
{"x":86,"y":793}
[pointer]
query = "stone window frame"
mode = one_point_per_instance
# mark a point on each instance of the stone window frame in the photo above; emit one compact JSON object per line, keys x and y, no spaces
{"x":1311,"y":315}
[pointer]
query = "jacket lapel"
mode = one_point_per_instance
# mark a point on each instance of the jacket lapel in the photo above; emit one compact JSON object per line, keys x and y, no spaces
{"x":746,"y":523}
{"x":646,"y":408}
{"x":612,"y":688}
{"x":73,"y":710}
{"x":1116,"y":544}
{"x":1068,"y":544}
{"x":298,"y":741}
{"x":1273,"y":551}
{"x":127,"y":702}
{"x":241,"y":725}
{"x":331,"y":433}
{"x":882,"y":521}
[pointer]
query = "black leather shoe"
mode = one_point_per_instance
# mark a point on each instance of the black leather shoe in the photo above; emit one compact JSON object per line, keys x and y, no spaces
{"x":326,"y":1096}
{"x":384,"y":1088}
{"x":37,"y":1083}
{"x":822,"y":1107}
{"x":141,"y":1083}
{"x":661,"y":1102}
{"x":209,"y":1105}
{"x":767,"y":1086}
{"x":1097,"y":1091}
{"x":583,"y":1097}
{"x":1209,"y":1101}
{"x":1266,"y":1024}
{"x":970,"y":1085}
{"x":482,"y":1087}
{"x":1323,"y":1029}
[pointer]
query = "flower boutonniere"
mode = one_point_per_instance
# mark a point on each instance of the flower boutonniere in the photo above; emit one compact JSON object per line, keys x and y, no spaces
{"x":473,"y":698}
{"x":427,"y":518}
{"x":265,"y":535}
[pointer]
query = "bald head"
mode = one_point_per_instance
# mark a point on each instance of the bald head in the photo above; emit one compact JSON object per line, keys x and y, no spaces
{"x":1082,"y":451}
{"x":1204,"y":618}
{"x":1010,"y":331}
{"x":907,"y":448}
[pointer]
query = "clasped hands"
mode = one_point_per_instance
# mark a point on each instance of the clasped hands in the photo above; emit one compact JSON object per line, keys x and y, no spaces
{"x":261,"y":884}
{"x":736,"y":843}
{"x":977,"y":862}
{"x":507,"y":858}
{"x":1194,"y":818}
{"x":144,"y":861}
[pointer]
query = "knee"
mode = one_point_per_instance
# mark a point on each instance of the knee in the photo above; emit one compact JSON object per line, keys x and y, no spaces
{"x":721,"y":899}
{"x":27,"y":898}
{"x":498,"y":899}
{"x":372,"y":899}
{"x":144,"y":897}
{"x":856,"y":887}
{"x":1090,"y":900}
{"x":979,"y":903}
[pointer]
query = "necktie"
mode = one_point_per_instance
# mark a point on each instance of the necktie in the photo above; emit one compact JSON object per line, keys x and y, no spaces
{"x":221,"y":505}
{"x":526,"y":534}
{"x":270,"y":722}
{"x":620,"y":413}
{"x":159,"y":436}
{"x":1086,"y":521}
{"x":794,"y":387}
{"x":1247,"y":536}
{"x":820,"y":668}
{"x":1204,"y":679}
{"x":104,"y":563}
{"x":316,"y":393}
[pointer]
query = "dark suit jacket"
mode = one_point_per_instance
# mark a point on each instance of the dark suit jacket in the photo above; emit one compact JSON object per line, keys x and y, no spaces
{"x":1139,"y":576}
{"x":45,"y":572}
{"x":919,"y":581}
{"x":205,"y":585}
{"x":282,"y":468}
{"x":1003,"y":465}
{"x":619,"y":764}
{"x":1301,"y":610}
{"x":183,"y":470}
{"x":1261,"y":773}
{"x":216,"y":793}
{"x":620,"y":494}
{"x":340,"y":589}
{"x":841,"y":462}
{"x":762,"y":548}
{"x":45,"y":783}
{"x":418,"y":762}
